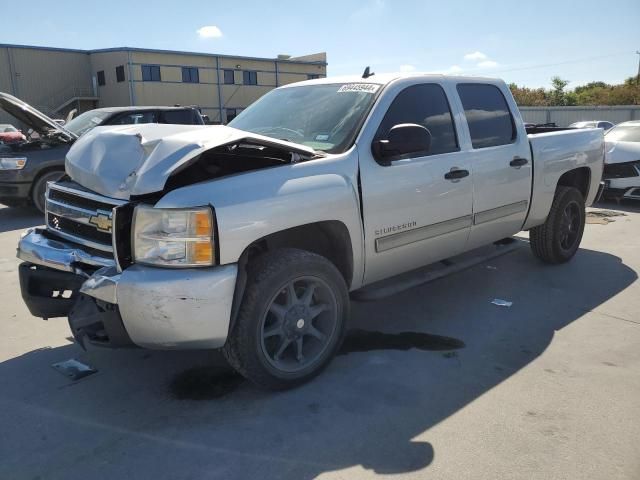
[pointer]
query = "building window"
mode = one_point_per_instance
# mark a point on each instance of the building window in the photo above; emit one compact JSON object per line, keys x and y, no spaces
{"x":120,"y":73}
{"x":313,"y":76}
{"x":101,"y":79}
{"x":231,"y":114}
{"x":229,"y":77}
{"x":249,"y":77}
{"x":190,"y":75}
{"x":151,"y":73}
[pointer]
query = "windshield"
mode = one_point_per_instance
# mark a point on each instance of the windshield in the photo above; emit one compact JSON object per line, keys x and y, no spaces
{"x":85,"y":122}
{"x":622,"y":133}
{"x":583,"y":124}
{"x":324,"y":117}
{"x":7,"y":129}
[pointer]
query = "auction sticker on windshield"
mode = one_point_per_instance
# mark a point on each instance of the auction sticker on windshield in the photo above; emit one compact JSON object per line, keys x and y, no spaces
{"x":359,"y":87}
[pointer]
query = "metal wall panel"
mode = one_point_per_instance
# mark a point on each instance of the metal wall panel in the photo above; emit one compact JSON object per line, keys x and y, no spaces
{"x":564,"y":116}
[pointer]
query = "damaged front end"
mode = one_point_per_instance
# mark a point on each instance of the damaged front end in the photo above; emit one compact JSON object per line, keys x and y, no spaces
{"x":82,"y":266}
{"x":622,"y":180}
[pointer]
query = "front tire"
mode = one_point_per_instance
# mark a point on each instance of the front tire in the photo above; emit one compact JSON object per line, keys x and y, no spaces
{"x":40,"y":188}
{"x":557,"y":240}
{"x":291,"y":321}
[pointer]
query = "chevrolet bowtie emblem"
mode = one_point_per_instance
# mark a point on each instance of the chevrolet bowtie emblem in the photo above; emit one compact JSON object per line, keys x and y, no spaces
{"x":102,"y":222}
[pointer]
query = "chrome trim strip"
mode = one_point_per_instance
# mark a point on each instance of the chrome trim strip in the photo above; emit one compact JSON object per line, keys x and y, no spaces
{"x":35,"y":248}
{"x":77,"y":214}
{"x":82,"y":241}
{"x":499,"y":212}
{"x":89,"y":195}
{"x":114,"y":213}
{"x":422,"y":233}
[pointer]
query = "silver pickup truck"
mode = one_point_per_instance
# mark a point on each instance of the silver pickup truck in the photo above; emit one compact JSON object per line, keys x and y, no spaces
{"x":249,"y":237}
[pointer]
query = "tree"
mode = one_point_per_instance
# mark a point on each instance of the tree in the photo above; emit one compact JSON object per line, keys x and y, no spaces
{"x":593,"y":93}
{"x":557,"y":95}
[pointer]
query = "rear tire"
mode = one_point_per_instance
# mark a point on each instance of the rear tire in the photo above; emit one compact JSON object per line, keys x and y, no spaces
{"x":291,"y":321}
{"x":40,"y":188}
{"x":557,"y":240}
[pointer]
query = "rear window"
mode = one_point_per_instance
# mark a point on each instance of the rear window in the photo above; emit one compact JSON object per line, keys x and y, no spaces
{"x":488,"y":116}
{"x":179,"y":117}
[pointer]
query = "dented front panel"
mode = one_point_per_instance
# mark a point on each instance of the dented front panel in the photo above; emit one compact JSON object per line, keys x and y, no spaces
{"x":125,"y":161}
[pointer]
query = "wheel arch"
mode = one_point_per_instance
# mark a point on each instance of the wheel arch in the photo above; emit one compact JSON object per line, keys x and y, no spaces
{"x":579,"y":178}
{"x":330,"y":239}
{"x":43,"y":172}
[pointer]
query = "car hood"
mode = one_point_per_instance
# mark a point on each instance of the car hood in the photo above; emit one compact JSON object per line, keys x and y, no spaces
{"x":31,"y":117}
{"x":125,"y":161}
{"x":621,"y":152}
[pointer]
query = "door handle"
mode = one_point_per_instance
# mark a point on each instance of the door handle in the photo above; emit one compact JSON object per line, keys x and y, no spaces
{"x":455,"y":174}
{"x":518,"y":162}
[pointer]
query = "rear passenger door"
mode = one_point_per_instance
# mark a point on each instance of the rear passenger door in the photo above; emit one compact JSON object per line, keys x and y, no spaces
{"x":415,"y":211}
{"x":500,"y":160}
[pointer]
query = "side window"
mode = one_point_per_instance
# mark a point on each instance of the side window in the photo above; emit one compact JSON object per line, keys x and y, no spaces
{"x":231,"y":113}
{"x":134,"y":118}
{"x":425,"y":104}
{"x":488,"y":115}
{"x":178,"y":117}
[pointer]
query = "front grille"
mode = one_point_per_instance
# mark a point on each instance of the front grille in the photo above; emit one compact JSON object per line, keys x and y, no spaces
{"x":80,"y":230}
{"x":620,"y":170}
{"x":81,"y":216}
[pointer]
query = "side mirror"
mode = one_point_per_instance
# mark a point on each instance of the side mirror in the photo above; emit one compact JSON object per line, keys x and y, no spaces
{"x":403,"y":140}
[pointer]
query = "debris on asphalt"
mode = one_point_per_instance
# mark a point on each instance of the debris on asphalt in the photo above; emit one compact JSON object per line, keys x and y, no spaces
{"x":491,"y":267}
{"x":603,"y":217}
{"x":74,"y":369}
{"x":501,"y":303}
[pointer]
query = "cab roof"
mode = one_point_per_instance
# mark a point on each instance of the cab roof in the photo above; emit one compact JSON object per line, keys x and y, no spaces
{"x":386,"y":78}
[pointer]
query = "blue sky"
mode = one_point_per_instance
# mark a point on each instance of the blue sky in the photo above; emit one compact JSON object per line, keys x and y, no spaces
{"x":520,"y":41}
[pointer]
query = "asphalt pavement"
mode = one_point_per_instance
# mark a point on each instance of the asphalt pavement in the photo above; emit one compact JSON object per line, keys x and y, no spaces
{"x":547,"y":388}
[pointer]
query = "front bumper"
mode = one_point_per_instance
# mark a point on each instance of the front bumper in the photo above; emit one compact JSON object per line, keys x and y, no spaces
{"x":150,"y":307}
{"x":622,"y":188}
{"x":15,"y":186}
{"x":14,"y":193}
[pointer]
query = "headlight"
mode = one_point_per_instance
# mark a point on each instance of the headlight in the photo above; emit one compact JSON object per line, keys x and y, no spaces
{"x":12,"y":163}
{"x":173,"y":237}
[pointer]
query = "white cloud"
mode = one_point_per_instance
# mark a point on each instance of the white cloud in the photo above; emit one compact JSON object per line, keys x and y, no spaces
{"x":453,"y":69}
{"x":407,"y":68}
{"x":488,"y":64}
{"x":476,"y":56}
{"x":209,"y":31}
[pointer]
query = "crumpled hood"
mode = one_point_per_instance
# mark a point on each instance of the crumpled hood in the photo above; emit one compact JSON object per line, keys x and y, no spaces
{"x":125,"y":161}
{"x":621,"y":152}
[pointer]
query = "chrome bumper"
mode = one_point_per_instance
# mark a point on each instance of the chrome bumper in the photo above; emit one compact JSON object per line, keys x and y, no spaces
{"x":36,"y":247}
{"x":161,"y":308}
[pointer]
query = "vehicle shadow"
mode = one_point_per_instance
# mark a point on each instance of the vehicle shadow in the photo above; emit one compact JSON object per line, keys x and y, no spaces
{"x":370,"y":410}
{"x":16,"y":218}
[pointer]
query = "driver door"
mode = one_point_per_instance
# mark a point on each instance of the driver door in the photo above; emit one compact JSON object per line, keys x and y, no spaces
{"x":415,"y":210}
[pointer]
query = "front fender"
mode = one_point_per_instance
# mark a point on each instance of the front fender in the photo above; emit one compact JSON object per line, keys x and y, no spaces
{"x":253,"y":205}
